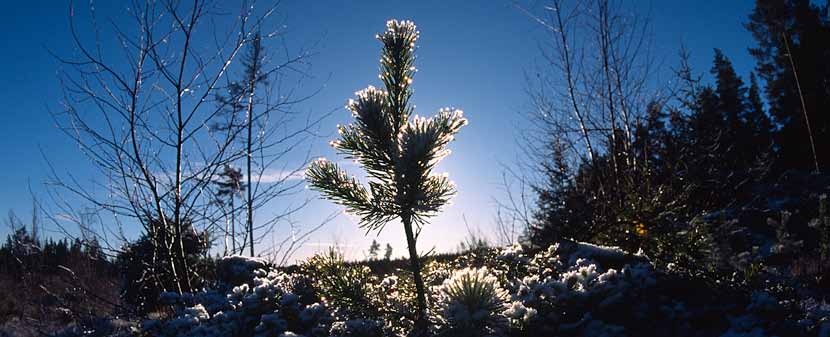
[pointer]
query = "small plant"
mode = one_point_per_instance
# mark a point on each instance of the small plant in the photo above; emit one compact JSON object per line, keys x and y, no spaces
{"x":343,"y":286}
{"x":471,"y":303}
{"x":397,"y":151}
{"x":146,"y":271}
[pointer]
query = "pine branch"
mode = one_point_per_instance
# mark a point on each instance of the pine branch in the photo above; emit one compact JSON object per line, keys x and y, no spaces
{"x":327,"y":178}
{"x":436,"y":191}
{"x":370,"y":140}
{"x":397,"y":66}
{"x":423,"y":144}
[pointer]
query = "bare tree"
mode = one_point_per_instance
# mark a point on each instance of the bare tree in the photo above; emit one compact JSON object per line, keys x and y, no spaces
{"x":514,"y":214}
{"x":143,"y":110}
{"x":592,"y":91}
{"x":265,"y":139}
{"x":598,"y":65}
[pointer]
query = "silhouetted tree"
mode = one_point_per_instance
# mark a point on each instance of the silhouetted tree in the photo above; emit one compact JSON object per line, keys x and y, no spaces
{"x":757,"y":120}
{"x":397,"y":151}
{"x":388,"y":254}
{"x":229,"y":186}
{"x":259,"y":112}
{"x":145,"y":274}
{"x":798,"y":80}
{"x":374,"y":248}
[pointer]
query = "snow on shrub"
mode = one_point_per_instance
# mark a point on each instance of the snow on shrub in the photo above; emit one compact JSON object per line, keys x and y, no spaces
{"x":519,"y":314}
{"x":357,"y":328}
{"x":265,"y":307}
{"x":471,"y":303}
{"x":238,"y":269}
{"x":572,"y":289}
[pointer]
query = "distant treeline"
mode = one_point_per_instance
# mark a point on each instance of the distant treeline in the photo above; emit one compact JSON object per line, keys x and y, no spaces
{"x":23,"y":252}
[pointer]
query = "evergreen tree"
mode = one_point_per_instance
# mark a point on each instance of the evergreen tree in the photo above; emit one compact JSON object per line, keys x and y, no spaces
{"x":555,"y":202}
{"x":397,"y":151}
{"x":229,"y":186}
{"x":731,"y":94}
{"x":791,"y":57}
{"x":388,"y":254}
{"x":705,"y":169}
{"x":146,"y":271}
{"x":21,"y":244}
{"x":242,"y":96}
{"x":756,"y":119}
{"x":374,"y":248}
{"x":738,"y":149}
{"x":659,"y":148}
{"x":761,"y":142}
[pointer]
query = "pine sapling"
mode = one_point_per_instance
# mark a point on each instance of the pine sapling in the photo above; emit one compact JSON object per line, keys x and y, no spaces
{"x":397,"y":151}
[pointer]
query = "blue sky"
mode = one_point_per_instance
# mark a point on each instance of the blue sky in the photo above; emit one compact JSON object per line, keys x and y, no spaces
{"x":472,"y":55}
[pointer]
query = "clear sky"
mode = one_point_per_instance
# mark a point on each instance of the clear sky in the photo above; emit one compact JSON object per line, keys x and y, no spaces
{"x":472,"y":55}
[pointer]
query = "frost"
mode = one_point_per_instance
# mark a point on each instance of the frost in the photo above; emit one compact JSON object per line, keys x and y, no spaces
{"x":237,"y":269}
{"x":357,"y":327}
{"x":562,"y":290}
{"x":518,"y":312}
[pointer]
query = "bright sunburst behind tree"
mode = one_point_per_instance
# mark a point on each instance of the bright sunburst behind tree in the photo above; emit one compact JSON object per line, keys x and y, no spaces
{"x":398,"y":152}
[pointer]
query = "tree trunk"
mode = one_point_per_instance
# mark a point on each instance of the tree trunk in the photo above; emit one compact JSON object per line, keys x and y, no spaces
{"x":233,"y":227}
{"x":252,"y":82}
{"x":250,"y":204}
{"x":227,"y":232}
{"x":415,"y":266}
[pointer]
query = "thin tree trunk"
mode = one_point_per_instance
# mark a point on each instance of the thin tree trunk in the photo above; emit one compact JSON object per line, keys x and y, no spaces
{"x":803,"y":105}
{"x":227,"y":232}
{"x":250,"y":209}
{"x":605,"y":49}
{"x":233,"y":227}
{"x":151,"y":183}
{"x":569,"y":76}
{"x":415,"y":266}
{"x":252,"y":82}
{"x":180,"y":125}
{"x":179,"y":248}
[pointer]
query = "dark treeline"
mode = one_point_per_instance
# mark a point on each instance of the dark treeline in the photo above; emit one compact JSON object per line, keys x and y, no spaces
{"x":46,"y":284}
{"x":708,"y":149}
{"x":23,"y":252}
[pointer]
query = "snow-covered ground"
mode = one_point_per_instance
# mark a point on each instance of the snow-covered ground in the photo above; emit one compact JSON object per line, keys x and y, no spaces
{"x":564,"y":290}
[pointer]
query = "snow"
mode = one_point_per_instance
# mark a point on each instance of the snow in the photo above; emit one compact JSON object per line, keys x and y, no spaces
{"x":564,"y":289}
{"x":237,"y":269}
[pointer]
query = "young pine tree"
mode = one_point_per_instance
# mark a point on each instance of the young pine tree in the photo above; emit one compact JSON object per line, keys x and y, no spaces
{"x":229,"y":186}
{"x":398,"y":153}
{"x":388,"y":254}
{"x":374,"y":248}
{"x":243,"y":97}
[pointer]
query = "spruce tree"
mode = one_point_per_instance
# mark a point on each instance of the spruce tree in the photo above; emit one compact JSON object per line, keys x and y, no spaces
{"x":756,"y":119}
{"x":731,"y":91}
{"x":705,"y":168}
{"x":791,"y":58}
{"x":735,"y":143}
{"x":397,"y":151}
